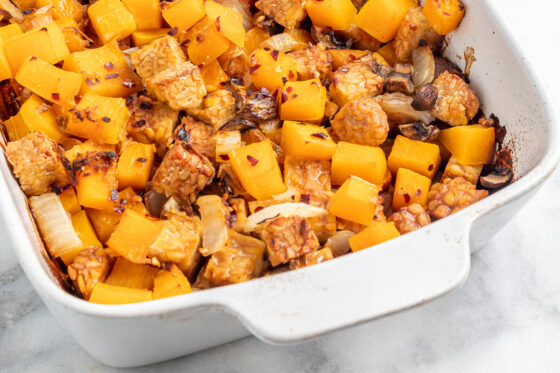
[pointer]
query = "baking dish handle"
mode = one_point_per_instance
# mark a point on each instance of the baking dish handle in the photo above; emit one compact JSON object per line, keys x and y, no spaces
{"x":346,"y":291}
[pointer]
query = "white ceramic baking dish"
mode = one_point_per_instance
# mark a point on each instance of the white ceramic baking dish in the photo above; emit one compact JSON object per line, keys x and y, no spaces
{"x":299,"y":305}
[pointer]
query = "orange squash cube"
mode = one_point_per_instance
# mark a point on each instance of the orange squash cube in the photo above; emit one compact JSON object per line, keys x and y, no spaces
{"x":366,"y":162}
{"x":104,"y":222}
{"x":355,"y":200}
{"x":75,"y":40}
{"x":382,"y":18}
{"x":387,"y":52}
{"x":227,"y":21}
{"x":34,"y":115}
{"x":206,"y":43}
{"x":343,"y":56}
{"x":471,"y":145}
{"x":376,"y":233}
{"x":146,"y":13}
{"x":410,"y":187}
{"x":227,"y":141}
{"x":257,"y":168}
{"x":254,"y":37}
{"x":418,"y":156}
{"x":105,"y":71}
{"x":183,"y":14}
{"x":169,"y":283}
{"x":24,"y":4}
{"x":49,"y":82}
{"x":145,"y":37}
{"x":303,"y":100}
{"x":69,"y":201}
{"x":96,"y":182}
{"x":270,"y":68}
{"x":63,"y":8}
{"x":336,"y":14}
{"x":85,"y":232}
{"x":87,"y":146}
{"x":132,"y":275}
{"x":46,"y":43}
{"x":307,"y":141}
{"x":5,"y":68}
{"x":98,"y":118}
{"x":135,"y":165}
{"x":10,"y":31}
{"x":214,"y":76}
{"x":444,"y":15}
{"x":110,"y":294}
{"x":111,"y":20}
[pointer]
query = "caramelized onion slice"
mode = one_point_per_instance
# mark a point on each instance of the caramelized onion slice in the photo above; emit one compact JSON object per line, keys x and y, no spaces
{"x":398,"y":108}
{"x":424,"y":66}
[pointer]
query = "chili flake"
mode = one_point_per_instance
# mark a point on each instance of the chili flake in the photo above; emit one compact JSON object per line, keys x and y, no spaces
{"x":142,"y":160}
{"x":224,"y":157}
{"x":406,"y":198}
{"x":306,"y":198}
{"x":253,"y":68}
{"x":275,"y":54}
{"x":218,"y":27}
{"x":106,"y":119}
{"x":430,"y":167}
{"x":109,"y":66}
{"x":55,"y":96}
{"x":320,"y":135}
{"x":140,"y":123}
{"x":173,"y":31}
{"x":111,"y":76}
{"x":77,"y":99}
{"x":252,"y":160}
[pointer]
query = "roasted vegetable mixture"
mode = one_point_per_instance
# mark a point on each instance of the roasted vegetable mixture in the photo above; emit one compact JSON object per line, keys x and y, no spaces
{"x":167,"y":147}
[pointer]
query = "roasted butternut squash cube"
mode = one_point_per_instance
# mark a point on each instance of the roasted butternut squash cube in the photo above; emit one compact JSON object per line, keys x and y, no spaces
{"x":307,"y":141}
{"x":144,"y":37}
{"x":9,"y":31}
{"x":69,"y":201}
{"x":105,"y":71}
{"x":387,"y":52}
{"x":205,"y":42}
{"x":135,"y":165}
{"x":5,"y":68}
{"x":132,"y":275}
{"x":85,"y":232}
{"x":470,"y":145}
{"x":227,"y":21}
{"x":382,"y":18}
{"x":96,"y":180}
{"x":270,"y":68}
{"x":410,"y":187}
{"x":343,"y":56}
{"x":98,"y":118}
{"x":63,"y":8}
{"x":355,"y":200}
{"x":418,"y":156}
{"x":110,"y":294}
{"x":75,"y":40}
{"x":24,"y":4}
{"x":254,"y":37}
{"x":87,"y":146}
{"x":227,"y":141}
{"x":257,"y":168}
{"x":111,"y":20}
{"x":134,"y":235}
{"x":303,"y":100}
{"x":366,"y":162}
{"x":376,"y":233}
{"x":336,"y":14}
{"x":34,"y":115}
{"x":104,"y":222}
{"x":213,"y":76}
{"x":46,"y":43}
{"x":146,"y":13}
{"x":49,"y":82}
{"x":183,"y":14}
{"x":444,"y":15}
{"x":169,"y":283}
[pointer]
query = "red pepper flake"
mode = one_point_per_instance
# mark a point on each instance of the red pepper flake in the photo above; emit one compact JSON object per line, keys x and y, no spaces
{"x":430,"y":167}
{"x":32,"y":58}
{"x":305,"y":198}
{"x":291,"y":75}
{"x":231,"y":219}
{"x":141,"y":160}
{"x":111,"y":76}
{"x":259,"y":208}
{"x":224,"y":157}
{"x":253,"y":68}
{"x":289,"y":89}
{"x":106,"y":119}
{"x":185,"y":42}
{"x":218,"y":27}
{"x":44,"y":29}
{"x":446,"y":14}
{"x":252,"y":160}
{"x":88,"y":116}
{"x":77,"y":99}
{"x":128,"y":83}
{"x":406,"y":198}
{"x":351,"y":58}
{"x":266,"y":49}
{"x":284,"y":80}
{"x":114,"y":195}
{"x":418,"y":192}
{"x":90,"y":82}
{"x":200,"y":38}
{"x":173,"y":31}
{"x":294,"y":95}
{"x":79,"y":116}
{"x":284,"y":97}
{"x":109,"y":66}
{"x":275,"y":54}
{"x":320,"y":135}
{"x":55,"y":96}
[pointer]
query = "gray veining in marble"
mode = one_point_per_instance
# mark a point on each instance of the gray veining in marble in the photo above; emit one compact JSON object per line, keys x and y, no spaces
{"x":505,"y":318}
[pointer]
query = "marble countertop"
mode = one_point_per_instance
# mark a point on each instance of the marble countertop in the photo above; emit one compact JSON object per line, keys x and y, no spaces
{"x":506,"y":316}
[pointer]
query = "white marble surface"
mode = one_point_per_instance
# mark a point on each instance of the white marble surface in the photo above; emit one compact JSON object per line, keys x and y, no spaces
{"x":505,"y":318}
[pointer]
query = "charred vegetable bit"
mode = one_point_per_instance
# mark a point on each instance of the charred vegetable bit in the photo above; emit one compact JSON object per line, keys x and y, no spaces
{"x":174,"y":146}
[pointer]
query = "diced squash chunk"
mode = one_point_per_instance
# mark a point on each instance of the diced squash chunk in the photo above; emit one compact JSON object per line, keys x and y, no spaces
{"x":213,"y":75}
{"x":47,"y":44}
{"x":96,"y":182}
{"x":63,"y":8}
{"x":132,"y":275}
{"x":145,"y":37}
{"x":135,"y":165}
{"x":471,"y":145}
{"x":307,"y":141}
{"x":254,"y":37}
{"x":206,"y":43}
{"x":111,"y":20}
{"x":5,"y":68}
{"x":49,"y":82}
{"x":169,"y":283}
{"x":382,"y":18}
{"x":74,"y":38}
{"x":105,"y":71}
{"x":227,"y":141}
{"x":69,"y":201}
{"x":98,"y":118}
{"x":444,"y":15}
{"x":183,"y":14}
{"x":34,"y":115}
{"x":355,"y":200}
{"x":134,"y":235}
{"x":87,"y":235}
{"x":227,"y":21}
{"x":343,"y":56}
{"x":10,"y":31}
{"x":303,"y":100}
{"x":87,"y":146}
{"x":366,"y":162}
{"x":410,"y":187}
{"x":270,"y":68}
{"x":418,"y":156}
{"x":387,"y":52}
{"x":104,"y":222}
{"x":336,"y":14}
{"x":376,"y":233}
{"x":146,"y":13}
{"x":110,"y":294}
{"x":24,"y":4}
{"x":257,"y":168}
